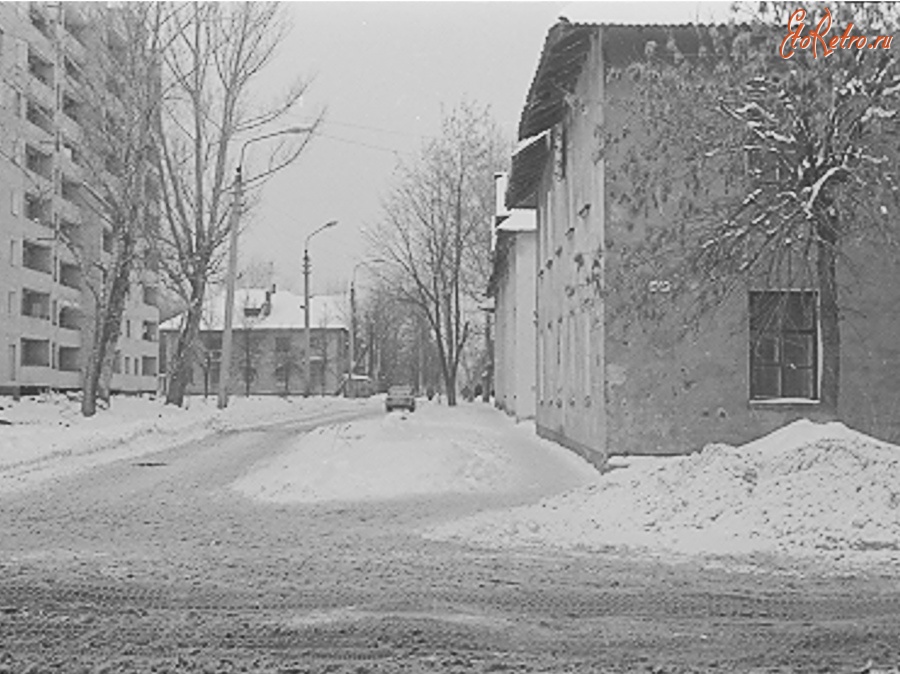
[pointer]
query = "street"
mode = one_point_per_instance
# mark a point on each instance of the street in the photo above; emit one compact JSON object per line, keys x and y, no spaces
{"x":157,"y":564}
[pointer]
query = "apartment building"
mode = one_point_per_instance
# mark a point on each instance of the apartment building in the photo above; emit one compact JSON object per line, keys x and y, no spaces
{"x":45,"y":308}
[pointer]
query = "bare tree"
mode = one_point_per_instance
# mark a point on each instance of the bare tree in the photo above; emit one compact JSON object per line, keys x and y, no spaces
{"x":434,"y":236}
{"x":763,"y":168}
{"x":115,"y":108}
{"x":217,"y":52}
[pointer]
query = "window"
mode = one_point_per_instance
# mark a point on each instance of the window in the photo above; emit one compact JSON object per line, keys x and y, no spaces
{"x":783,"y":345}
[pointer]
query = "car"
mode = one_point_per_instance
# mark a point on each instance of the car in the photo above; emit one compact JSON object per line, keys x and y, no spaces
{"x":400,"y":397}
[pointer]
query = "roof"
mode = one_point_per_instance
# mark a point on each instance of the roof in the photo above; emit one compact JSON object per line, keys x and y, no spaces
{"x":562,"y":60}
{"x":567,"y":46}
{"x":285,"y":311}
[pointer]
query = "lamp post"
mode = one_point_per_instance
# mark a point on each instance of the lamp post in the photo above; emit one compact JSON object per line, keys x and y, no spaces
{"x":234,"y":218}
{"x":306,"y":270}
{"x":353,"y":317}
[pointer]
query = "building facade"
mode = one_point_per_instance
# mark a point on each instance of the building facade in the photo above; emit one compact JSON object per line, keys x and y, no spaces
{"x":44,"y":305}
{"x":609,"y":382}
{"x":269,"y":343}
{"x":512,"y":285}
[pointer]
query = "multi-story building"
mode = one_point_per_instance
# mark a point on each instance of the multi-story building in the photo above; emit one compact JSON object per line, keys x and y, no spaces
{"x":44,"y":304}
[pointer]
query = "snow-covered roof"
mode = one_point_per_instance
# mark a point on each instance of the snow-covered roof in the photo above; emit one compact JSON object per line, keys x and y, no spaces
{"x":285,"y":311}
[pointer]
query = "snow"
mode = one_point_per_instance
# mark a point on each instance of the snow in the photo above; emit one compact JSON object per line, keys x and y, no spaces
{"x":807,"y":489}
{"x":469,"y":449}
{"x":46,"y":436}
{"x":823,"y":491}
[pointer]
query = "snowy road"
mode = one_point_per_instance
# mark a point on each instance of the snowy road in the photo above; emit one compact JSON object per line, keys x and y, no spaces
{"x":280,"y":549}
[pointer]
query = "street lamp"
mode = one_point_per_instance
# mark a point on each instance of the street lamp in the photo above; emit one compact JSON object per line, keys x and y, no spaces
{"x":353,"y":316}
{"x":306,"y":365}
{"x":233,"y":223}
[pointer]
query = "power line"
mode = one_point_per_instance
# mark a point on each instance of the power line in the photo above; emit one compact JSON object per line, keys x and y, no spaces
{"x":378,"y":129}
{"x":393,"y":151}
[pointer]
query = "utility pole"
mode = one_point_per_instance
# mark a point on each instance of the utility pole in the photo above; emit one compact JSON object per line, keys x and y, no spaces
{"x":352,"y":327}
{"x":227,"y":333}
{"x":234,"y":219}
{"x":307,"y":370}
{"x":307,"y":341}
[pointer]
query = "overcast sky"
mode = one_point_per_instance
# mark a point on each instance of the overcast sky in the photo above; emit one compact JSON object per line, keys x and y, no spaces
{"x":384,"y":70}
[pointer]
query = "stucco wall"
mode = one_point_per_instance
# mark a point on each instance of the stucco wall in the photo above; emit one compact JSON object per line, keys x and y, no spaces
{"x":329,"y":351}
{"x":613,"y":381}
{"x":570,"y":328}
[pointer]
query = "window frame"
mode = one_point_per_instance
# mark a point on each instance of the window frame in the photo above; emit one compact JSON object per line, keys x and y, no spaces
{"x":781,"y":332}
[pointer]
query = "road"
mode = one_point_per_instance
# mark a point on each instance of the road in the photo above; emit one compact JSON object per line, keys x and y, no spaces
{"x":156,"y":565}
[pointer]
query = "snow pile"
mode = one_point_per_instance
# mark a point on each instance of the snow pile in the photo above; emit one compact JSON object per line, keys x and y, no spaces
{"x":470,"y":449}
{"x":41,"y":429}
{"x":806,"y":488}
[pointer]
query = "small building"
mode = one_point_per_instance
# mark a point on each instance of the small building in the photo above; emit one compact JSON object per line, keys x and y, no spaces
{"x":609,"y":382}
{"x":269,"y":343}
{"x":512,"y":287}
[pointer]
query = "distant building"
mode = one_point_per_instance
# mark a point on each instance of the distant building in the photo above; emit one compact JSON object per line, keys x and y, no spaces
{"x":512,"y":287}
{"x":44,"y":307}
{"x":268,"y":344}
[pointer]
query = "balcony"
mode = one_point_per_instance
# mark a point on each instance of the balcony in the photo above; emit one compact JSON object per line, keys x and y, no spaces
{"x":74,"y":70}
{"x":71,"y":233}
{"x":35,"y":304}
{"x":40,"y":116}
{"x":69,"y":358}
{"x":39,"y":20}
{"x":35,"y":352}
{"x":39,"y":162}
{"x":38,"y":209}
{"x":70,"y":317}
{"x":70,"y":190}
{"x":72,"y":108}
{"x":70,"y":275}
{"x":37,"y":257}
{"x":40,"y":68}
{"x":76,"y":25}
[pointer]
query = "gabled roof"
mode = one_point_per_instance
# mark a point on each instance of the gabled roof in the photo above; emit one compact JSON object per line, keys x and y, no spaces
{"x":285,"y":311}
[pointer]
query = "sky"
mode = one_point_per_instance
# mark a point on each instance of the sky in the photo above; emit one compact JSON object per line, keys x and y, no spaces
{"x":382,"y":72}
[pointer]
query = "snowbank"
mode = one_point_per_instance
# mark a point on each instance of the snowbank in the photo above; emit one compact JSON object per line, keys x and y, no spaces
{"x":41,"y":429}
{"x":435,"y":450}
{"x":804,"y":489}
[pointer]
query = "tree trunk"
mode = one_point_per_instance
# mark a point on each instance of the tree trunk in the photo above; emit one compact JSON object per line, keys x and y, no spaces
{"x":181,"y":362}
{"x":115,"y":309}
{"x":826,"y":271}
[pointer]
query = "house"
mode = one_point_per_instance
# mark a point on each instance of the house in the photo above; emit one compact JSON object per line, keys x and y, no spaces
{"x":269,"y":342}
{"x":46,"y":310}
{"x":611,"y":383}
{"x":512,"y":287}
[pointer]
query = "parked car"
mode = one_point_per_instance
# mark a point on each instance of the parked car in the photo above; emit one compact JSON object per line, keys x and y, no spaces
{"x":400,"y":397}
